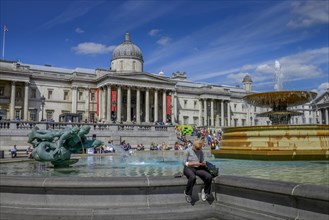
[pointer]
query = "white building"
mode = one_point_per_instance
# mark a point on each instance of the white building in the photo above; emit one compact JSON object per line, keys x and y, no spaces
{"x":124,"y":93}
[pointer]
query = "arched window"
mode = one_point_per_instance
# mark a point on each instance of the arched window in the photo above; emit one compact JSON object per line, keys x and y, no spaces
{"x":134,"y":65}
{"x":121,"y":65}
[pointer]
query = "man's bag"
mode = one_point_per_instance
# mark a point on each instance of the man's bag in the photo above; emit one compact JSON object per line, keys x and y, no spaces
{"x":212,"y":169}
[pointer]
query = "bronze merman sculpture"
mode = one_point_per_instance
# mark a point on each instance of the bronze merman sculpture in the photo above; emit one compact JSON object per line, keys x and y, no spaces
{"x":57,"y":146}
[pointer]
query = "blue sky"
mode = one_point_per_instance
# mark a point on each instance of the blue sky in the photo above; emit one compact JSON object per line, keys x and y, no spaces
{"x":212,"y":41}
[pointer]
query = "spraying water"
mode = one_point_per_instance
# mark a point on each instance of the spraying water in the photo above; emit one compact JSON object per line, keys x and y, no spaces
{"x":278,"y":76}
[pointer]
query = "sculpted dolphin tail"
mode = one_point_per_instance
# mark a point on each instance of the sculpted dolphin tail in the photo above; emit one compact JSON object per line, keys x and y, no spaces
{"x":31,"y":135}
{"x":97,"y":143}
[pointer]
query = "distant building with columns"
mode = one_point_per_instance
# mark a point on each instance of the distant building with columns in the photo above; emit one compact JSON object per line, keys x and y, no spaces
{"x":124,"y":93}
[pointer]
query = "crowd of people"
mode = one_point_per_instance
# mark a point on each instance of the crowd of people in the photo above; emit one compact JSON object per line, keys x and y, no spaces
{"x":211,"y":138}
{"x":162,"y":146}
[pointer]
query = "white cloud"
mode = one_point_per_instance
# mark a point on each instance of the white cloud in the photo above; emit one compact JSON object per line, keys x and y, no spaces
{"x":308,"y":13}
{"x":153,"y":32}
{"x":264,"y":68}
{"x":323,"y":87}
{"x":79,"y":30}
{"x":163,"y":41}
{"x":92,"y":48}
{"x":304,"y":65}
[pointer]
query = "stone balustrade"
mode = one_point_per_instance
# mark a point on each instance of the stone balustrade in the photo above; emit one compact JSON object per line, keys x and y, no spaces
{"x":15,"y":132}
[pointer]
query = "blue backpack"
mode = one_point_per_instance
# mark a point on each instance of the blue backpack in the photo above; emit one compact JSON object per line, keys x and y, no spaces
{"x":212,"y":169}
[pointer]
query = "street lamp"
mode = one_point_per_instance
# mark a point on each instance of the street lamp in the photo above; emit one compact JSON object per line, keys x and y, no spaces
{"x":43,"y":99}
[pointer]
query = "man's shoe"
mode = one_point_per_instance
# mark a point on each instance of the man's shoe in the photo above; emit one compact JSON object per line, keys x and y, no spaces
{"x":188,"y":198}
{"x":203,"y":195}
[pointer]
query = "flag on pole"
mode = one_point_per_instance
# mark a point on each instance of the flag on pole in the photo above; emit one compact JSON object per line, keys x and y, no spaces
{"x":5,"y":29}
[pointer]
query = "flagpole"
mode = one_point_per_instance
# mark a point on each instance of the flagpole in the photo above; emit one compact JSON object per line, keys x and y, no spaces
{"x":3,"y":42}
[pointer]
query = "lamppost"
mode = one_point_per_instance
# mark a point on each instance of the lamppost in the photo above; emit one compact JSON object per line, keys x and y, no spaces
{"x":43,"y":99}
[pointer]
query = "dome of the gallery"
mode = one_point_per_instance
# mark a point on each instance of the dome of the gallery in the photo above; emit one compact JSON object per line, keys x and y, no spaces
{"x":127,"y":50}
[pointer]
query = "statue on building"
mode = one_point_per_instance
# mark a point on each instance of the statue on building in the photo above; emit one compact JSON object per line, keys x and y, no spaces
{"x":57,"y":146}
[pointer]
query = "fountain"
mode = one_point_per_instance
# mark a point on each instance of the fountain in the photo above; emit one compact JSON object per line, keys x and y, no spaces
{"x":143,"y":185}
{"x":279,"y":141}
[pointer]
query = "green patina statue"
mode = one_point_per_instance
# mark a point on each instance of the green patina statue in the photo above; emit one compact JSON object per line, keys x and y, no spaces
{"x":57,"y":146}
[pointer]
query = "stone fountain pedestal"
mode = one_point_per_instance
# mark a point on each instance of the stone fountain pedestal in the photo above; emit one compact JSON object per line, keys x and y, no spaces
{"x":279,"y":142}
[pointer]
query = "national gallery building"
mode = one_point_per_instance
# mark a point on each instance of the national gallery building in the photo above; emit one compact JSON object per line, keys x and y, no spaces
{"x":125,"y":93}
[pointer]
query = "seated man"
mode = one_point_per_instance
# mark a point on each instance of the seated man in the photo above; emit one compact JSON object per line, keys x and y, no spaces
{"x":13,"y":152}
{"x":109,"y":148}
{"x":29,"y":152}
{"x":91,"y":150}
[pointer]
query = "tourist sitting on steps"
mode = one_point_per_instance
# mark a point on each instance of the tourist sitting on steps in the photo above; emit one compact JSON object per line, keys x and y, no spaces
{"x":29,"y":152}
{"x":194,"y":165}
{"x":13,"y":152}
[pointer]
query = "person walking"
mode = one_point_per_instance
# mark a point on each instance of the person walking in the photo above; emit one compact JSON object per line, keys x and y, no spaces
{"x":196,"y":166}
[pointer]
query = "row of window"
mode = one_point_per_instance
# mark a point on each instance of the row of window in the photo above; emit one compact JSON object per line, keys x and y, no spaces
{"x":235,"y":121}
{"x":33,"y":115}
{"x":234,"y":105}
{"x":33,"y":94}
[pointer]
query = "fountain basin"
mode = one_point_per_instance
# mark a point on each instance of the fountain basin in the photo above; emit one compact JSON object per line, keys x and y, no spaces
{"x":279,"y":142}
{"x":277,"y":98}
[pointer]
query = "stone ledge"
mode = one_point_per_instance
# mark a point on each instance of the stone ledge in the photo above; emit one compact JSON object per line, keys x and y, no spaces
{"x":158,"y":197}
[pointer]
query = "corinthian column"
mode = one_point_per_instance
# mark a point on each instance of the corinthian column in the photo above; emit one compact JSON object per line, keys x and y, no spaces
{"x":26,"y":101}
{"x":173,"y":108}
{"x":87,"y":98}
{"x":109,"y":103}
{"x":228,"y":114}
{"x":222,"y":112}
{"x":104,"y":95}
{"x":156,"y":105}
{"x":12,"y":101}
{"x":212,"y":113}
{"x":128,"y":104}
{"x":138,"y":105}
{"x":147,"y":105}
{"x":119,"y":103}
{"x":164,"y":106}
{"x":200,"y":112}
{"x":74,"y":99}
{"x":205,"y":109}
{"x":100,"y":103}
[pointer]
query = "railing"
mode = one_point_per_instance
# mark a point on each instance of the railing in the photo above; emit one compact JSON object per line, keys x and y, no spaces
{"x":13,"y":125}
{"x":17,"y":125}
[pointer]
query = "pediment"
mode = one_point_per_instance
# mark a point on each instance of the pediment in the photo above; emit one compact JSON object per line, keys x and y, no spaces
{"x":143,"y":77}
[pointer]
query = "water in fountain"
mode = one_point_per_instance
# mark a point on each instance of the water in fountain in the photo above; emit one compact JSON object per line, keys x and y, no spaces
{"x":150,"y":163}
{"x":278,"y":76}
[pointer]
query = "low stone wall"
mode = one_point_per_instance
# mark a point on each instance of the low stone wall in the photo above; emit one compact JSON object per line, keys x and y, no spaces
{"x":11,"y":133}
{"x":158,"y":198}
